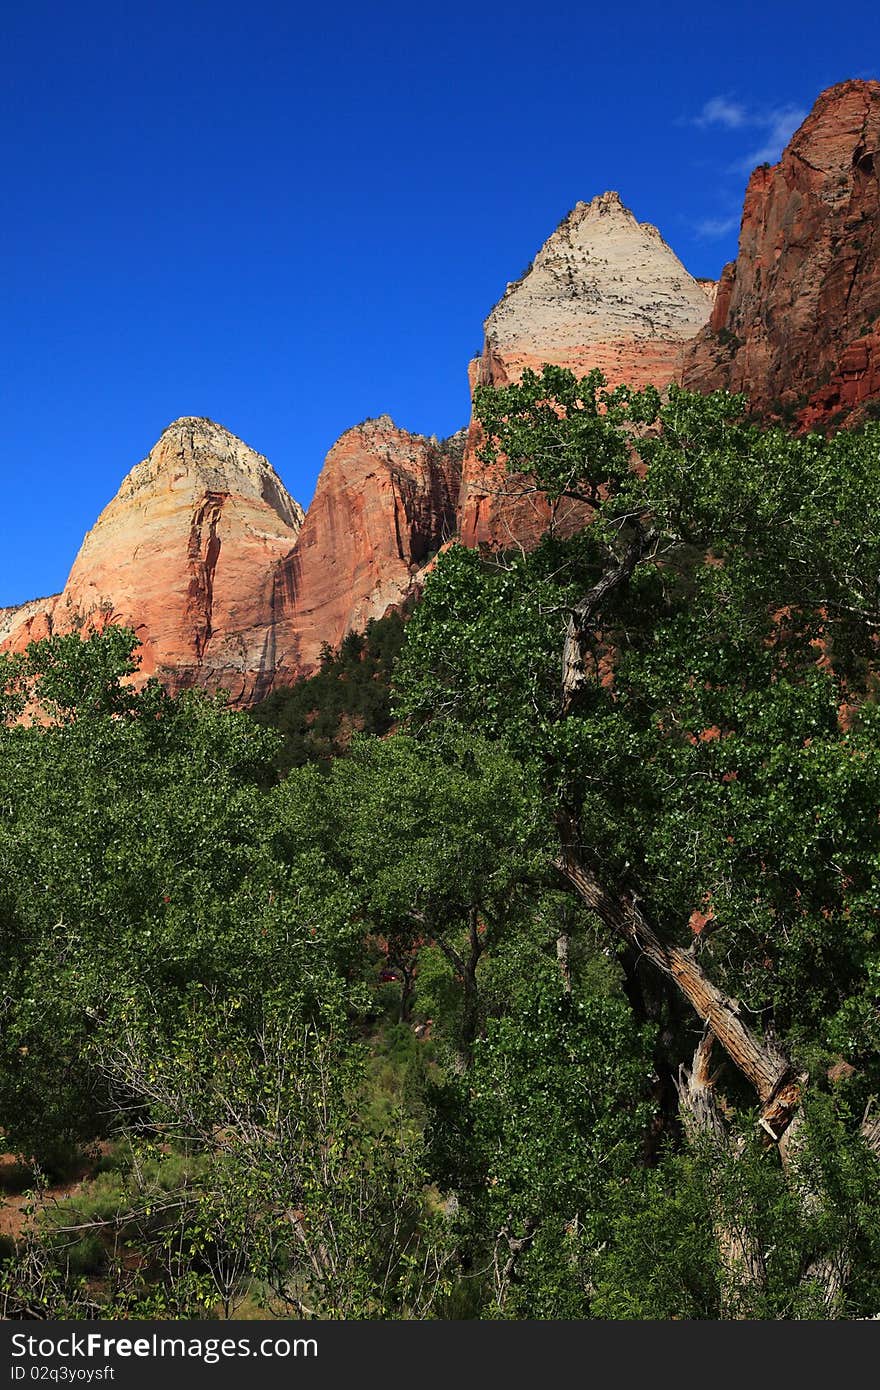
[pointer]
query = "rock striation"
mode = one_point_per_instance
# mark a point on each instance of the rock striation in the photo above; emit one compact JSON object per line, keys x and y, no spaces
{"x":228,"y":585}
{"x":384,"y":504}
{"x":205,"y":554}
{"x":185,"y":554}
{"x":796,"y":322}
{"x":604,"y":291}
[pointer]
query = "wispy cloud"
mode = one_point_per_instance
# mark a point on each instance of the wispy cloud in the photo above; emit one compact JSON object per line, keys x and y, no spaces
{"x":774,"y":126}
{"x":760,"y":133}
{"x":722,"y":111}
{"x":779,"y":127}
{"x":712,"y":228}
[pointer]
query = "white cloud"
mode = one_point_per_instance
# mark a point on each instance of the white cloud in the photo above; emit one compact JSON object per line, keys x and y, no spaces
{"x":779,"y":126}
{"x":776,"y":125}
{"x":711,"y":228}
{"x":722,"y":111}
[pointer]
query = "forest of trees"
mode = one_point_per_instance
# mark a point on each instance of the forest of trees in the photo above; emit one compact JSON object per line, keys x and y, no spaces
{"x":554,"y":992}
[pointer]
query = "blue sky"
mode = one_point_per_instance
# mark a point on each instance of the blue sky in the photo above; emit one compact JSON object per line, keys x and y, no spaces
{"x":288,"y":218}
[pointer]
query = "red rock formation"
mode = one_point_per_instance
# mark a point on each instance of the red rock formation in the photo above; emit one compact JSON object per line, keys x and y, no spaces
{"x":185,"y":554}
{"x":853,"y":391}
{"x":201,"y":552}
{"x":797,"y":319}
{"x":384,"y":503}
{"x":26,"y":622}
{"x":604,"y":291}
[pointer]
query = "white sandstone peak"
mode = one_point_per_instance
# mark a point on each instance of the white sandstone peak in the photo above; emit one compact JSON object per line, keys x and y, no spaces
{"x":602,"y":275}
{"x":196,"y":455}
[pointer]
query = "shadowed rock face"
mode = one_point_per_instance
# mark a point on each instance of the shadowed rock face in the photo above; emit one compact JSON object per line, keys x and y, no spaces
{"x":797,"y":320}
{"x":604,"y":291}
{"x":185,"y":554}
{"x":384,"y":504}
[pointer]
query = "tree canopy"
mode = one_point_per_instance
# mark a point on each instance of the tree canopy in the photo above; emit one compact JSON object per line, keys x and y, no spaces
{"x":694,"y":672}
{"x":558,"y":998}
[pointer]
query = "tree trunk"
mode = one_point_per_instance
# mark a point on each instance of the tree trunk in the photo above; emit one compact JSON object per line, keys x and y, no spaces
{"x":562,"y":957}
{"x":743,"y":1272}
{"x":779,"y":1087}
{"x":466,"y":968}
{"x":580,"y":622}
{"x":829,"y":1271}
{"x":407,"y":971}
{"x":769,"y":1071}
{"x":870,"y":1130}
{"x":471,"y":1012}
{"x":655,"y":999}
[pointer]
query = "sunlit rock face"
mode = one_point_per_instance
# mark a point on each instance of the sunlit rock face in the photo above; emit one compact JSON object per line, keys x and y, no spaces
{"x":384,"y":504}
{"x":604,"y":291}
{"x":797,"y":320}
{"x":185,"y":554}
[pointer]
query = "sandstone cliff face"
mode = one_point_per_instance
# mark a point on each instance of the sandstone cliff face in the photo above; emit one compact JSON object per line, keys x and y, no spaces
{"x":384,"y":504}
{"x":185,"y":554}
{"x":26,"y":622}
{"x":604,"y":291}
{"x":797,"y":319}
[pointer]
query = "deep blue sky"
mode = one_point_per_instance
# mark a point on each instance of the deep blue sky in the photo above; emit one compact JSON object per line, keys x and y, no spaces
{"x":290,"y":217}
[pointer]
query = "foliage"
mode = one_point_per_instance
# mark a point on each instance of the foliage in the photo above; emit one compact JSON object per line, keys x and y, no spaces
{"x":707,"y":757}
{"x":552,"y":1111}
{"x":367,"y":1052}
{"x":317,"y":717}
{"x":254,"y":1176}
{"x":717,"y":752}
{"x":137,"y":861}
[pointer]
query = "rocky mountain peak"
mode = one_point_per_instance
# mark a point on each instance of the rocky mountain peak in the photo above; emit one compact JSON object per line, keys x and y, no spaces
{"x":604,"y":291}
{"x":384,"y":504}
{"x":185,"y":554}
{"x":601,"y":275}
{"x":195,"y":455}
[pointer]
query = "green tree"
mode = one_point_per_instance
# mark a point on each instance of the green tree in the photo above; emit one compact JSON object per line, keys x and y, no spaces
{"x":182,"y":966}
{"x":436,"y":845}
{"x":139,"y":859}
{"x":693,"y":673}
{"x":351,"y":693}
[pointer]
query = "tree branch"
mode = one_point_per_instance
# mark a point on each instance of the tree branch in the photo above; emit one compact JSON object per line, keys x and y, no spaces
{"x":778,"y":1086}
{"x":574,"y":674}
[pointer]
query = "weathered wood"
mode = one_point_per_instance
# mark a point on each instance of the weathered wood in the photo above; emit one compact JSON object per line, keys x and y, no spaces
{"x":563,"y":960}
{"x":829,"y":1271}
{"x":698,"y":1105}
{"x":870,"y":1129}
{"x":742,"y":1261}
{"x":778,"y":1086}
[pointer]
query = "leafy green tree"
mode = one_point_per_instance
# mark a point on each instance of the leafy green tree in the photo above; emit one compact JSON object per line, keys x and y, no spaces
{"x":550,"y":1115}
{"x":693,"y":673}
{"x":181,"y":965}
{"x":252,"y":1174}
{"x":623,"y":861}
{"x":138,"y":861}
{"x":436,"y":845}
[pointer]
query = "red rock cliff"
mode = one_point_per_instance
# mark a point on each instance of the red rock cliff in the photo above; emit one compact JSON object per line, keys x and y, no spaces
{"x":185,"y":554}
{"x":384,"y":504}
{"x":797,"y":319}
